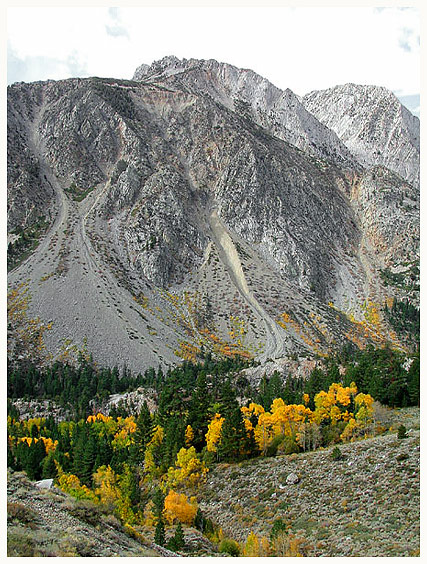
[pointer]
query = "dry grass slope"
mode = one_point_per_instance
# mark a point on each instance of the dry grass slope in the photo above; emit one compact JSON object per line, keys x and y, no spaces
{"x":365,"y":504}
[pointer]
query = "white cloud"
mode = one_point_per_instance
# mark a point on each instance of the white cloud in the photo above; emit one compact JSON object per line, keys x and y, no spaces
{"x":302,"y":48}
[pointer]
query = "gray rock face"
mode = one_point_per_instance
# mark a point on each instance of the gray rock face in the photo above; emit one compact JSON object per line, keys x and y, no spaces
{"x":183,"y":219}
{"x":373,"y":124}
{"x":29,"y":194}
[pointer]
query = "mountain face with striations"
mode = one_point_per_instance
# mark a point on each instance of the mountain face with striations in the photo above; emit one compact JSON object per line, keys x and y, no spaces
{"x":198,"y":207}
{"x":373,"y":125}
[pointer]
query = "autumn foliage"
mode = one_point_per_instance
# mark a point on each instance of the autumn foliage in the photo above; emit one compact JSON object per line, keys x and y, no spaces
{"x":178,"y":507}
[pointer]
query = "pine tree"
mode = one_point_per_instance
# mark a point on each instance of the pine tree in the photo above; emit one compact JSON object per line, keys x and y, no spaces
{"x":174,"y":440}
{"x":159,"y":503}
{"x":88,"y":460}
{"x":79,"y":446}
{"x":142,"y":435}
{"x":11,"y":460}
{"x":234,"y":441}
{"x":198,"y":416}
{"x":177,"y":542}
{"x":414,"y":381}
{"x":49,"y":469}
{"x":31,"y":457}
{"x":159,"y":535}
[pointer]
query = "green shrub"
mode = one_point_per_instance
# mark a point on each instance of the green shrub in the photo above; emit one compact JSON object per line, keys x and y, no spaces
{"x":274,"y":445}
{"x":336,"y":454}
{"x":289,"y":446}
{"x":229,"y":546}
{"x":87,"y":511}
{"x":401,"y":432}
{"x":278,"y":527}
{"x":20,"y":544}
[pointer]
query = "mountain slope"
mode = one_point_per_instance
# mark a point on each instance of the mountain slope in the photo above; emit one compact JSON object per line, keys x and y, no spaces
{"x":180,"y":223}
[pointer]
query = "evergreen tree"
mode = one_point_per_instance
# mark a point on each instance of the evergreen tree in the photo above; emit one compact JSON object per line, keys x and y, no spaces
{"x":177,"y":542}
{"x":414,"y":381}
{"x":104,"y":452}
{"x":49,"y":467}
{"x":88,"y":460}
{"x":79,"y":440}
{"x":234,"y":441}
{"x":198,"y":416}
{"x":30,"y":458}
{"x":11,"y":460}
{"x":159,"y":535}
{"x":173,"y":441}
{"x":159,"y":503}
{"x":142,"y":435}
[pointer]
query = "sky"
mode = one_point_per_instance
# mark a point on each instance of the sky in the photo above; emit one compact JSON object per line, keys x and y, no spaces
{"x":304,"y":49}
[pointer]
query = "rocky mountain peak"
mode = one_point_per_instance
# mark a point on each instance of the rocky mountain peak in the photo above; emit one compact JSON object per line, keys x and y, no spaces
{"x":373,"y":124}
{"x":280,"y":112}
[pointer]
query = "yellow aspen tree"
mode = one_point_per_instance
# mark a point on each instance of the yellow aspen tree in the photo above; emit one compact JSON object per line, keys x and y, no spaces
{"x":151,"y":450}
{"x":350,"y":430}
{"x":69,"y":483}
{"x":213,"y":434}
{"x":177,"y":507}
{"x":264,"y":547}
{"x":365,"y":410}
{"x":278,"y":403}
{"x":252,"y":545}
{"x":322,"y":403}
{"x":148,"y":515}
{"x":264,"y":431}
{"x":106,"y":485}
{"x":49,"y":444}
{"x":189,"y":435}
{"x":253,"y":409}
{"x":189,"y":469}
{"x":125,"y":428}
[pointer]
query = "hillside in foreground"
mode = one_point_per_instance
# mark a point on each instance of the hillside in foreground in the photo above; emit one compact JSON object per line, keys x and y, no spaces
{"x":365,"y":504}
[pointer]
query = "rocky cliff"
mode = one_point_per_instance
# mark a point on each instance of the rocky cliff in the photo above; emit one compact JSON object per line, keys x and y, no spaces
{"x":199,"y":207}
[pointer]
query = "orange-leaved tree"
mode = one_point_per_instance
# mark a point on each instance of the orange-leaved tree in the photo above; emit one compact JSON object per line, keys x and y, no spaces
{"x":178,"y":507}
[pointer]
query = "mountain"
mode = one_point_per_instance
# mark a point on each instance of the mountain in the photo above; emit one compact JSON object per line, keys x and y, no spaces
{"x":373,"y":124}
{"x":198,"y":207}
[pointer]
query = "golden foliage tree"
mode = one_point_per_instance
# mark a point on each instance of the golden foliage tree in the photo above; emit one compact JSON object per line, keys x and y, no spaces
{"x":178,"y":507}
{"x":189,"y":469}
{"x":213,"y":434}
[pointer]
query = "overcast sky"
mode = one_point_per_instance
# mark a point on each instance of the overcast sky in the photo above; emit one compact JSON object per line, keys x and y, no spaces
{"x":302,"y":49}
